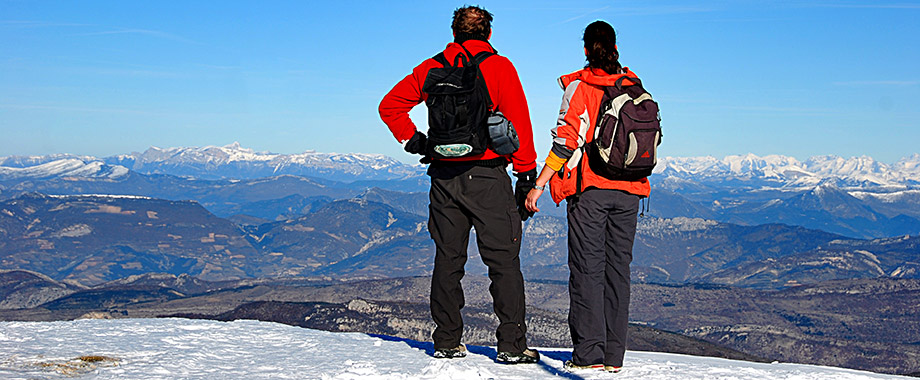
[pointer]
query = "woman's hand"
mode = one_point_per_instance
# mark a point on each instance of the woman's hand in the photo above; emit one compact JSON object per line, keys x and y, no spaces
{"x":531,"y":202}
{"x":532,"y":197}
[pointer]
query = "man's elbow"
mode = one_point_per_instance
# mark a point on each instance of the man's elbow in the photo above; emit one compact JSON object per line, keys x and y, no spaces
{"x":383,"y":109}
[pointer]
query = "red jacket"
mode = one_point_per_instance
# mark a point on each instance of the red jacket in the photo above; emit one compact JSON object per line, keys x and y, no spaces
{"x":504,"y":88}
{"x":575,"y":127}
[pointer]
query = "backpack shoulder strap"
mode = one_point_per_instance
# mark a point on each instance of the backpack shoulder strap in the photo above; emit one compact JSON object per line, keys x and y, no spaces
{"x":445,"y":63}
{"x":578,"y":174}
{"x":619,"y":82}
{"x":610,"y":93}
{"x":440,"y":59}
{"x":481,"y":56}
{"x":476,"y":60}
{"x":634,"y":90}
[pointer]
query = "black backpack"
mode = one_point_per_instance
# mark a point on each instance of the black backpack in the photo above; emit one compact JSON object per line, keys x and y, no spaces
{"x":458,"y":107}
{"x":627,"y":133}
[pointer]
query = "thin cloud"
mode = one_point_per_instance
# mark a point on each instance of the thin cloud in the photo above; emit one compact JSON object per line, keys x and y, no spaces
{"x":780,"y":109}
{"x":584,"y":15}
{"x":23,"y":24}
{"x":125,"y":111}
{"x":219,"y":67}
{"x":868,"y":6}
{"x":898,"y":83}
{"x":74,"y":109}
{"x":783,"y":110}
{"x":136,"y":73}
{"x":647,"y":11}
{"x":639,"y":11}
{"x":143,"y":32}
{"x":37,"y":24}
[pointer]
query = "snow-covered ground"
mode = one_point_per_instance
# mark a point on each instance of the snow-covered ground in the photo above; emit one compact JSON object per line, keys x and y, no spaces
{"x":198,"y":349}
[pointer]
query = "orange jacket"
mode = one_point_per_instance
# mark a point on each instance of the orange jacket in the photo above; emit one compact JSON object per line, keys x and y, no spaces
{"x":575,"y":127}
{"x":504,"y":88}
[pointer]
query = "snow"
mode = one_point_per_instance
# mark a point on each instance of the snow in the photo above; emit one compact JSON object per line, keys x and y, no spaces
{"x":198,"y":349}
{"x":236,"y":153}
{"x":772,"y":171}
{"x":65,"y":167}
{"x":110,"y":196}
{"x":887,"y":197}
{"x":790,"y":172}
{"x":227,"y":160}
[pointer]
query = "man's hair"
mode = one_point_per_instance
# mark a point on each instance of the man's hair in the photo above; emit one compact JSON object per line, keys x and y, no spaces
{"x":471,"y":23}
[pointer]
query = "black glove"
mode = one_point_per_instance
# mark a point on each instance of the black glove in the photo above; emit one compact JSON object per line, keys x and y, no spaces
{"x":526,"y":181}
{"x":417,"y":144}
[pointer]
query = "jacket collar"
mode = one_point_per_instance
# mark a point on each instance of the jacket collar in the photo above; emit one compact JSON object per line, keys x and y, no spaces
{"x":596,"y":77}
{"x":474,"y":46}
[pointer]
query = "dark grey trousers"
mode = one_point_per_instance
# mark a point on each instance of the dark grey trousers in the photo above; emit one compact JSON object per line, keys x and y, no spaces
{"x":463,"y":197}
{"x":602,"y":226}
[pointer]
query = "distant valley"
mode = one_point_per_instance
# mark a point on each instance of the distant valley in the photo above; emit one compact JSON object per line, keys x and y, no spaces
{"x":91,"y":239}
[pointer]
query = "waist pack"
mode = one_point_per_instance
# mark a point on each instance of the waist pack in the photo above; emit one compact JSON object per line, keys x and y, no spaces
{"x":503,"y":138}
{"x":460,"y":118}
{"x":627,"y":133}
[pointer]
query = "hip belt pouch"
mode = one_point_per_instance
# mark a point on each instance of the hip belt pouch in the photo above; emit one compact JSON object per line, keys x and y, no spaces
{"x":503,"y":138}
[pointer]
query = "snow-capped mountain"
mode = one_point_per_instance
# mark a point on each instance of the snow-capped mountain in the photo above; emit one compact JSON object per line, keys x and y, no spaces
{"x":211,"y":162}
{"x":29,"y":161}
{"x":199,"y":349}
{"x":778,"y":171}
{"x":909,"y":166}
{"x":85,"y":167}
{"x":857,"y":197}
{"x":235,"y":161}
{"x":674,"y":173}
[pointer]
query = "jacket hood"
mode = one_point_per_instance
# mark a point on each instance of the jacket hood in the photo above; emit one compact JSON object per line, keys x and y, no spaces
{"x":474,"y":46}
{"x":597,"y":77}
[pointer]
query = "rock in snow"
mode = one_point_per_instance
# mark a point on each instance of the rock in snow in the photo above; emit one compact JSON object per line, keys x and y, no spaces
{"x":199,"y":349}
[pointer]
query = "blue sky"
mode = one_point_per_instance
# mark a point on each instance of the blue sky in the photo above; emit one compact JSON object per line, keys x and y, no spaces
{"x":798,"y":78}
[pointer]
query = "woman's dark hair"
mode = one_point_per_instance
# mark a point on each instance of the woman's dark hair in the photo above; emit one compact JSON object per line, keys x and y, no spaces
{"x":471,"y":23}
{"x":601,"y":47}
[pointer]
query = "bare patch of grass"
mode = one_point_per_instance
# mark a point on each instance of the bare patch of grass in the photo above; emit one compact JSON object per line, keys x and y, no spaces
{"x":79,"y":365}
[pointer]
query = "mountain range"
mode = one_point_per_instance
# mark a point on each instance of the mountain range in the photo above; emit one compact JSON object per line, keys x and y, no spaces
{"x":777,"y":171}
{"x":856,"y":197}
{"x":237,"y":162}
{"x":211,"y":162}
{"x":91,"y":239}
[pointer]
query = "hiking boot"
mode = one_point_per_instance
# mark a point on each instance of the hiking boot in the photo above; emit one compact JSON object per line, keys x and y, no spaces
{"x":450,"y":353}
{"x":529,"y":356}
{"x":612,"y":369}
{"x":571,"y":366}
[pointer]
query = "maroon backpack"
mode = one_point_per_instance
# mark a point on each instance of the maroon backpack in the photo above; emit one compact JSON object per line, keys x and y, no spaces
{"x":627,"y":133}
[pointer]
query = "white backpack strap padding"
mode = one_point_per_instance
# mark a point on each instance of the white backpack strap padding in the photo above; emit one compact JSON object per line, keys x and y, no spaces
{"x":644,"y":96}
{"x":614,"y":111}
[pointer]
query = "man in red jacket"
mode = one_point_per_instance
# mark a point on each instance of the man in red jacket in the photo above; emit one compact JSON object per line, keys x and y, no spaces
{"x":474,"y":191}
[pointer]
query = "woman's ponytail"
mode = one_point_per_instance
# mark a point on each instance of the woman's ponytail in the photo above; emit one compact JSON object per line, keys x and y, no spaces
{"x":601,"y":47}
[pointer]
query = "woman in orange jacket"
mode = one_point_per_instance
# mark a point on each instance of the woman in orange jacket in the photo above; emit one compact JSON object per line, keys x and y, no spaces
{"x":601,"y":212}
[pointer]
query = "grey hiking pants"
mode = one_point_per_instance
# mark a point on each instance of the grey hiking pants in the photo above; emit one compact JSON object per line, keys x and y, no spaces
{"x":463,"y":197}
{"x":602,"y":227}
